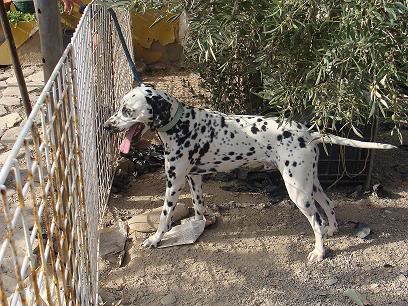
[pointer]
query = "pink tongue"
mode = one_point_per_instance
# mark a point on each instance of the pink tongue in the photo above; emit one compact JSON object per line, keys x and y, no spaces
{"x":125,"y":145}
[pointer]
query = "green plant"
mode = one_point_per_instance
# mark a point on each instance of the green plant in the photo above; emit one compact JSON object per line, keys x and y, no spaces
{"x":335,"y":64}
{"x":16,"y":16}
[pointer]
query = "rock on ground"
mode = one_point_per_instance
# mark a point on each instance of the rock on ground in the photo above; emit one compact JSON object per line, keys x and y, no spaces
{"x":10,"y":121}
{"x":10,"y":101}
{"x":3,"y":110}
{"x":169,"y":299}
{"x":11,"y":135}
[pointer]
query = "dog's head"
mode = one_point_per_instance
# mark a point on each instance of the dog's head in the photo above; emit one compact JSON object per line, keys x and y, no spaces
{"x":140,"y":109}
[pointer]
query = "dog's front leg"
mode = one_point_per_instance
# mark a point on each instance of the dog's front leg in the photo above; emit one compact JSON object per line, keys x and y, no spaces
{"x":195,"y":182}
{"x":175,"y":184}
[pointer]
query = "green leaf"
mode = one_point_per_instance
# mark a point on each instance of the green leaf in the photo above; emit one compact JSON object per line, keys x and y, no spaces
{"x":373,"y":108}
{"x":356,"y":131}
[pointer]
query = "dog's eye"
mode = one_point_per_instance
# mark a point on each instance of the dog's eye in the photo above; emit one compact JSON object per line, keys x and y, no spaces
{"x":127,"y":112}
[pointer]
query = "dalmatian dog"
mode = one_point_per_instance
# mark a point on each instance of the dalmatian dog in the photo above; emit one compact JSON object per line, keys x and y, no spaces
{"x":199,"y":141}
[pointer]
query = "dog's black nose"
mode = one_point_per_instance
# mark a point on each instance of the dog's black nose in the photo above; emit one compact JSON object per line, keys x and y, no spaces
{"x":107,"y":126}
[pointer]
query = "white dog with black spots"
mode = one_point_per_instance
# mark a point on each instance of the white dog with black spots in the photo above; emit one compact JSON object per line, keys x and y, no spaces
{"x":199,"y":141}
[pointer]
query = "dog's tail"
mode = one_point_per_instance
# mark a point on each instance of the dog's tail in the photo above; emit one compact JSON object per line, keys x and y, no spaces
{"x":329,"y":138}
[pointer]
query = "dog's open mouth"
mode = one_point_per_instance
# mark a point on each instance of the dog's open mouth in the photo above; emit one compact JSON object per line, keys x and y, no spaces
{"x":134,"y":131}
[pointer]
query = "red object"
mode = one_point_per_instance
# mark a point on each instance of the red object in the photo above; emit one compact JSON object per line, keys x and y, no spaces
{"x":7,"y":4}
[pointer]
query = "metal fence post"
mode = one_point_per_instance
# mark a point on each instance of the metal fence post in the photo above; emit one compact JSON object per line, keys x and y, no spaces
{"x":49,"y":25}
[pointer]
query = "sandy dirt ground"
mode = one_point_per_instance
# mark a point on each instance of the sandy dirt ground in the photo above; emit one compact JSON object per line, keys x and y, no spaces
{"x":255,"y":254}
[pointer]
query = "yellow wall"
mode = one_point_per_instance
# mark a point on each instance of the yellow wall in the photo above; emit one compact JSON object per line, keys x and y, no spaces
{"x":150,"y":42}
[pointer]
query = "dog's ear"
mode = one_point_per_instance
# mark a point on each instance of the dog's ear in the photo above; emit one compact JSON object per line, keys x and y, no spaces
{"x":161,"y":110}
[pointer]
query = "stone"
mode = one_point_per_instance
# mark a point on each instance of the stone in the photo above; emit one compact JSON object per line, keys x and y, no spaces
{"x":5,"y":155}
{"x":10,"y":101}
{"x":29,"y":70}
{"x":31,"y":88}
{"x":3,"y":110}
{"x":4,"y":75}
{"x":11,"y":91}
{"x":9,"y":283}
{"x":10,"y":120}
{"x":112,"y":242}
{"x":149,"y":221}
{"x":11,"y":135}
{"x":362,"y":230}
{"x":37,"y":77}
{"x":11,"y":80}
{"x":3,"y":84}
{"x":14,"y":90}
{"x":169,"y":299}
{"x":331,"y":281}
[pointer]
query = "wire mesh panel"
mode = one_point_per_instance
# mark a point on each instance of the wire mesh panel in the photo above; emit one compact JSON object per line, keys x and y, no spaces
{"x":103,"y":77}
{"x":58,"y":176}
{"x":44,"y":250}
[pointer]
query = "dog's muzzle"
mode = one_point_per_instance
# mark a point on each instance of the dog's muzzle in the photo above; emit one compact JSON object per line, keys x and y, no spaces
{"x":110,"y":127}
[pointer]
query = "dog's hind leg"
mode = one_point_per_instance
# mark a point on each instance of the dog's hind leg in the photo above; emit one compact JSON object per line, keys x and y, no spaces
{"x":327,"y":205}
{"x":305,"y":202}
{"x":175,"y":183}
{"x":195,"y":182}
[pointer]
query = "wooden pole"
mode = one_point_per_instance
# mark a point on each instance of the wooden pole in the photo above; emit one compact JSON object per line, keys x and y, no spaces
{"x":49,"y":25}
{"x":14,"y":57}
{"x":17,"y":68}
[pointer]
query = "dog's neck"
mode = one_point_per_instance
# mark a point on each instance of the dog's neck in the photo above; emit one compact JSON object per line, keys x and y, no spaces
{"x":163,"y":110}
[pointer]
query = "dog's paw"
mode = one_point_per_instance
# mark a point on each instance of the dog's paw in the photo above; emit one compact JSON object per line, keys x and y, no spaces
{"x":151,"y":242}
{"x":315,"y":256}
{"x":331,"y":230}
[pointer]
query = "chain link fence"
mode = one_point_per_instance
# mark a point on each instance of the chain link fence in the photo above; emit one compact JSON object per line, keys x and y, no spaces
{"x":57,"y":178}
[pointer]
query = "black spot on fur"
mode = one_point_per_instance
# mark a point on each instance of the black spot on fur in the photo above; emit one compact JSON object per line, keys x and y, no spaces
{"x":223,"y":124}
{"x":318,"y":219}
{"x":254,"y":129}
{"x":287,"y":163}
{"x":232,"y":135}
{"x":161,"y":110}
{"x":279,"y":137}
{"x":286,"y":134}
{"x":204,"y":149}
{"x":127,"y":112}
{"x":301,"y":142}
